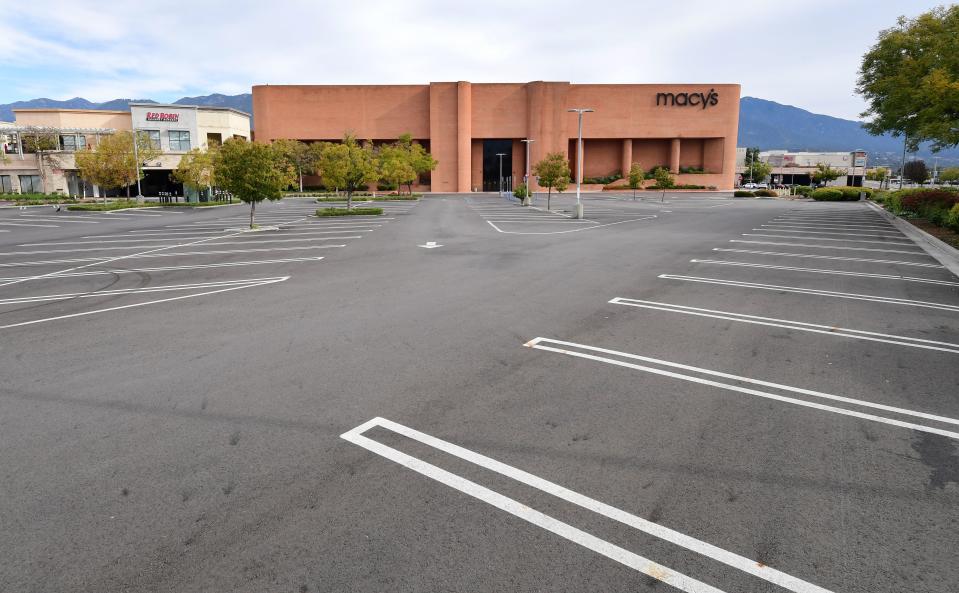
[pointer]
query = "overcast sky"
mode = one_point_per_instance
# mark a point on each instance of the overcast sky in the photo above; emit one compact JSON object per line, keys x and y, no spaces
{"x":802,"y":53}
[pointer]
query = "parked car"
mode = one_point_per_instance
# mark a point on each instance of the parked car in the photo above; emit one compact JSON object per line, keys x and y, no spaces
{"x":749,"y":186}
{"x":762,"y":185}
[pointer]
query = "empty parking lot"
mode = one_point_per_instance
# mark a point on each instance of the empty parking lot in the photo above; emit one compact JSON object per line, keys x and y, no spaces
{"x":676,"y":393}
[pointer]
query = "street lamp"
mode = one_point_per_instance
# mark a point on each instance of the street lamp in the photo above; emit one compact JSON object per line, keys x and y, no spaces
{"x":579,"y":157}
{"x":529,"y":194}
{"x":501,"y":155}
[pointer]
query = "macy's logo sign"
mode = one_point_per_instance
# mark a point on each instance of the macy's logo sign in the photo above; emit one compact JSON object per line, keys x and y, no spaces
{"x":688,"y":99}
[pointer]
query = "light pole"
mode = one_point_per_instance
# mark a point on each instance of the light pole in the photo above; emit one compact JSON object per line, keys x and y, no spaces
{"x":529,"y":194}
{"x":579,"y":157}
{"x":136,"y":157}
{"x":501,"y":155}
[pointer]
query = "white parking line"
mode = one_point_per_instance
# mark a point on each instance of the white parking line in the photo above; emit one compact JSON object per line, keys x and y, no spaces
{"x":262,"y":282}
{"x":65,"y":219}
{"x":156,"y":239}
{"x":589,"y":228}
{"x":564,"y":530}
{"x":842,"y":247}
{"x":143,"y":289}
{"x":48,"y":226}
{"x":537,"y":343}
{"x":720,"y":262}
{"x":832,"y":330}
{"x":896,"y":235}
{"x":812,"y":291}
{"x":800,"y":225}
{"x":826,"y":239}
{"x":176,"y":268}
{"x":816,"y":256}
{"x":18,"y":264}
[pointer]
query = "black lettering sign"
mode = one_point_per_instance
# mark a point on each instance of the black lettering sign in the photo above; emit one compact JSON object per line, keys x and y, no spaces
{"x":688,"y":99}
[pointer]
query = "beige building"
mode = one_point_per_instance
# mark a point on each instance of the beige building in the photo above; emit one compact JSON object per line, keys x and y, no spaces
{"x":175,"y":129}
{"x":796,"y":168}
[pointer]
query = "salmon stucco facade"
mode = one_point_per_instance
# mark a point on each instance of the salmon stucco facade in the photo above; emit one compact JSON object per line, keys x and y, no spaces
{"x":689,"y":128}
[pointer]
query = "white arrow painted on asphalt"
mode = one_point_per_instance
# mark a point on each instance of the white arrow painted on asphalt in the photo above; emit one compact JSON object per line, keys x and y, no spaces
{"x":430,"y":245}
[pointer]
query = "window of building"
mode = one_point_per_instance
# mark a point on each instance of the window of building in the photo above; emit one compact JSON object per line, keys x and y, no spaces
{"x":6,"y":185}
{"x":73,"y":142}
{"x":214,"y":139}
{"x":30,"y":184}
{"x":153,"y":136}
{"x":10,"y":144}
{"x":179,"y":141}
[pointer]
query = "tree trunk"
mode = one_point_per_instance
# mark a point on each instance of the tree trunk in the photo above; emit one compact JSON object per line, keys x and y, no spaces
{"x":252,"y":209}
{"x":549,"y":194}
{"x":128,"y":192}
{"x":300,"y":171}
{"x":349,"y":200}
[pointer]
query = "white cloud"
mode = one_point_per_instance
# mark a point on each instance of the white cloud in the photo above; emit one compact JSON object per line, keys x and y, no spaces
{"x":804,"y":54}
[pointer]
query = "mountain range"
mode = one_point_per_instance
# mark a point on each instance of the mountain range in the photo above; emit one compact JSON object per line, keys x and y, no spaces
{"x":763,"y":124}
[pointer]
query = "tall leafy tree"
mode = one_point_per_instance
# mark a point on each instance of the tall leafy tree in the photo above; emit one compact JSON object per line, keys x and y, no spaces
{"x":824,"y":173}
{"x":298,"y":155}
{"x":916,"y":171}
{"x":396,"y":166}
{"x":636,"y":177}
{"x":552,"y":171}
{"x":949,"y":174}
{"x":252,"y":172}
{"x":112,"y":162}
{"x":348,"y":166}
{"x":196,"y":169}
{"x":421,"y":160}
{"x":910,"y":79}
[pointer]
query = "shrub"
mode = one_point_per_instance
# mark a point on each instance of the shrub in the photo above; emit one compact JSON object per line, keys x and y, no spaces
{"x":952,"y":219}
{"x":894,"y":202}
{"x":352,"y":212}
{"x":803,"y":190}
{"x":851,"y":194}
{"x":602,"y":180}
{"x":651,"y":174}
{"x":827,"y":194}
{"x":520,"y":191}
{"x":688,"y":186}
{"x":386,"y":186}
{"x":739,"y":193}
{"x":879,"y":197}
{"x":765,"y":193}
{"x":925,"y":201}
{"x":108,"y":206}
{"x":691,"y":170}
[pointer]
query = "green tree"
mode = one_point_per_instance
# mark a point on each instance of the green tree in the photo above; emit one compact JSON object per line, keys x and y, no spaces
{"x":552,"y":171}
{"x":636,"y":177}
{"x":949,"y":174}
{"x":664,"y":180}
{"x":252,"y":172}
{"x":348,"y":166}
{"x":910,"y":79}
{"x":421,"y":160}
{"x":824,"y":174}
{"x":916,"y":171}
{"x":396,"y":165}
{"x":112,"y":163}
{"x":196,"y":169}
{"x":298,"y":155}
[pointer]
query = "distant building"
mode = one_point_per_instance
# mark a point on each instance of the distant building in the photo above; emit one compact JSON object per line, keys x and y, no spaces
{"x":795,"y":168}
{"x":175,"y":129}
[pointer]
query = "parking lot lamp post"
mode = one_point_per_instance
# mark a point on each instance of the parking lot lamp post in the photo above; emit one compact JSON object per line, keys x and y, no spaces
{"x":579,"y":157}
{"x":529,"y":195}
{"x":500,"y":155}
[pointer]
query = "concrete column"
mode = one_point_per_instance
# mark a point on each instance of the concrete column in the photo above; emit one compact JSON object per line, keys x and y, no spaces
{"x":627,"y":156}
{"x":464,"y":135}
{"x":674,"y":155}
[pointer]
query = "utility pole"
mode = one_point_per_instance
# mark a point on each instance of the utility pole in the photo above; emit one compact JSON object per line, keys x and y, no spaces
{"x":579,"y":158}
{"x":501,"y":155}
{"x":526,"y":179}
{"x":902,"y":168}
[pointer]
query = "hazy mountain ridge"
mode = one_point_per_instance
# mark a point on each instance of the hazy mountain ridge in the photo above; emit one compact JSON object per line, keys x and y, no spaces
{"x":762,"y":123}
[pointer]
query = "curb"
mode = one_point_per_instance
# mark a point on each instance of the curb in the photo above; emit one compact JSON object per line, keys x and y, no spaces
{"x":941,"y":251}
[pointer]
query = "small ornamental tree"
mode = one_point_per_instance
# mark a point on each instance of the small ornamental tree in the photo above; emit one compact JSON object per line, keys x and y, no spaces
{"x":916,"y":171}
{"x":553,"y":171}
{"x":421,"y":161}
{"x":112,"y":164}
{"x":949,"y":174}
{"x":824,"y":174}
{"x":396,"y":166}
{"x":196,"y":169}
{"x":636,"y":177}
{"x":348,"y":166}
{"x":298,"y":155}
{"x":664,"y":180}
{"x":252,"y":172}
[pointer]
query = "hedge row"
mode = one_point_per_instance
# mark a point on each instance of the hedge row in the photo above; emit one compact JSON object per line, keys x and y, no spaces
{"x":838,"y":194}
{"x":350,"y":212}
{"x":938,"y":206}
{"x":759,"y":193}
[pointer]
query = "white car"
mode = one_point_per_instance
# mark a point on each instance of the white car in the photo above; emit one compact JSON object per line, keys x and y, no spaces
{"x":749,"y":186}
{"x":762,"y":185}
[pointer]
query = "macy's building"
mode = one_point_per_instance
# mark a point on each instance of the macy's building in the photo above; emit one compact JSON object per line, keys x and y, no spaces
{"x":690,"y":128}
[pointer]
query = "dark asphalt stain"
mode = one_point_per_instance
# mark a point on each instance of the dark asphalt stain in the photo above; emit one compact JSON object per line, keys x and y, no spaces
{"x":235,"y":438}
{"x":939,"y":454}
{"x":228,"y":489}
{"x":125,"y":492}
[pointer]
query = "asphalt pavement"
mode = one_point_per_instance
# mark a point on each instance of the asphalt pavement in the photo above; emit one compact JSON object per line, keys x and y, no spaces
{"x":690,"y":392}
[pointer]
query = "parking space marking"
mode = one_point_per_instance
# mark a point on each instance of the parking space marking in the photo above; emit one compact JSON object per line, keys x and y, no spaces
{"x":896,"y":235}
{"x":262,"y":282}
{"x":169,"y":254}
{"x":801,"y":225}
{"x":564,"y":530}
{"x":827,"y":239}
{"x":817,"y":292}
{"x":156,"y":239}
{"x":113,"y":271}
{"x":538,"y":343}
{"x":835,"y":257}
{"x":64,"y":219}
{"x":117,"y":291}
{"x":832,"y":330}
{"x":918,"y":250}
{"x":589,"y":228}
{"x":47,"y":226}
{"x":720,"y":262}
